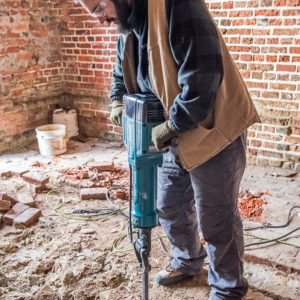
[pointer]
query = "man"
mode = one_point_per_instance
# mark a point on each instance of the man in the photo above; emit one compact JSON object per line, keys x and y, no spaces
{"x":173,"y":49}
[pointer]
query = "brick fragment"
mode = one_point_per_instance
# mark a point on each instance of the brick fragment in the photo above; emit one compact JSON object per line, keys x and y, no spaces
{"x":27,"y":218}
{"x":93,"y":193}
{"x":35,"y":178}
{"x":102,"y":166}
{"x":26,"y":199}
{"x":37,"y":189}
{"x":14,"y":212}
{"x":5,"y":173}
{"x":5,"y":205}
{"x":8,"y":198}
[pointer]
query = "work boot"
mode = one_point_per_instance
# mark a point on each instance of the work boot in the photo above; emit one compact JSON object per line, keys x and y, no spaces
{"x":170,"y":276}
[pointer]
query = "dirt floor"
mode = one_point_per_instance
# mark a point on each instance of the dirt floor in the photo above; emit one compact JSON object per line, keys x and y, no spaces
{"x":63,"y":258}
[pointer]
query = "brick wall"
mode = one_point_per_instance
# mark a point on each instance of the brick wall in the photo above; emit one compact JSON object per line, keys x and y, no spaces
{"x":262,"y":36}
{"x":30,"y":67}
{"x":88,"y":56}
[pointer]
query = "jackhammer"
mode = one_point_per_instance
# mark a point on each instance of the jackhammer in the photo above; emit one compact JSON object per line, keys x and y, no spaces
{"x":140,"y":114}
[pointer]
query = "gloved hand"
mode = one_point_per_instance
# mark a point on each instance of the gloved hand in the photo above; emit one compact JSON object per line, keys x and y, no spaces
{"x":116,"y":112}
{"x":161,"y":134}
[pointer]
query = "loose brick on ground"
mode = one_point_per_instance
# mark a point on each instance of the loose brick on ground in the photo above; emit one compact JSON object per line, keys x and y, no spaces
{"x":35,"y":178}
{"x":8,"y":198}
{"x":14,"y":212}
{"x":27,"y":218}
{"x":93,"y":193}
{"x":102,"y":165}
{"x":26,"y":199}
{"x":5,"y":205}
{"x":37,"y":189}
{"x":5,"y":173}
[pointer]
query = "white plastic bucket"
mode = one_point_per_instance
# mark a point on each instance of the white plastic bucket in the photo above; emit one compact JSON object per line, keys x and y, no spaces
{"x":52,"y":139}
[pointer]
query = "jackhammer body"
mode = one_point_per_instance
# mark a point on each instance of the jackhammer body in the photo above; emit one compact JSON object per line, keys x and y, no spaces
{"x":140,"y":114}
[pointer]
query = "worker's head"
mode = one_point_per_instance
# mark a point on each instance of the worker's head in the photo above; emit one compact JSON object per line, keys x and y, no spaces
{"x":110,"y":11}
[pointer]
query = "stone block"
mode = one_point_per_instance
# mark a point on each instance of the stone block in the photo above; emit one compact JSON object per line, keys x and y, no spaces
{"x":93,"y":193}
{"x":5,"y":205}
{"x":26,"y":199}
{"x":35,"y":178}
{"x":13,"y":213}
{"x":102,"y":166}
{"x":27,"y":218}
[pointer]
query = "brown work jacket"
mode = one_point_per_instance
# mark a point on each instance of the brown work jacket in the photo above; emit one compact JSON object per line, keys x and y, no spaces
{"x":233,"y":112}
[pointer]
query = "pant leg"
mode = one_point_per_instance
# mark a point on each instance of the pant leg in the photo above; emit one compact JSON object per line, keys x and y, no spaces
{"x":216,"y":185}
{"x":177,"y":215}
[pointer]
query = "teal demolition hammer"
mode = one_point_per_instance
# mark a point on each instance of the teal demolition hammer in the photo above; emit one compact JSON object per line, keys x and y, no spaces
{"x":142,"y":112}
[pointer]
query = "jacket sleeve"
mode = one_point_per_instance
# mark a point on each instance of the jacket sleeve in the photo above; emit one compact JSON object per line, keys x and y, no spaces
{"x":196,"y":49}
{"x":118,"y":88}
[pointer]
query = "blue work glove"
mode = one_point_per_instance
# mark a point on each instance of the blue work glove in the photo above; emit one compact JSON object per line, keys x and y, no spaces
{"x":116,"y":112}
{"x":162,"y":134}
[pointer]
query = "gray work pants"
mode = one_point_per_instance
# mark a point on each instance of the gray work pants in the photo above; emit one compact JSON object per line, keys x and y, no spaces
{"x":206,"y":196}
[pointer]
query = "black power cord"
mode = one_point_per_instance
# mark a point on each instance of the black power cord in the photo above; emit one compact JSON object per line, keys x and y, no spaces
{"x":274,"y":226}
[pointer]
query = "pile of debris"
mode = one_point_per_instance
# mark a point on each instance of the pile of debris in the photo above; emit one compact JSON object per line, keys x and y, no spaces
{"x":251,"y":206}
{"x":104,"y":175}
{"x":21,"y":211}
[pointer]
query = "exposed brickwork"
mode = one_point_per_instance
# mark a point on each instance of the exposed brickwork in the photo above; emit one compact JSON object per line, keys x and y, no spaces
{"x":30,"y":67}
{"x":263,"y":38}
{"x":66,"y":51}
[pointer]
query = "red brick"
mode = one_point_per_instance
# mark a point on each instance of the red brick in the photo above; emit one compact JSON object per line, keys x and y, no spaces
{"x":228,"y":5}
{"x":280,"y":2}
{"x":102,"y":166}
{"x":35,"y":178}
{"x":37,"y":189}
{"x":93,"y":193}
{"x":267,"y":12}
{"x":255,"y":143}
{"x":12,"y":49}
{"x":286,"y":68}
{"x":292,"y":139}
{"x":27,"y":218}
{"x":293,"y":2}
{"x":295,"y":50}
{"x":283,"y":86}
{"x":5,"y":204}
{"x":285,"y":31}
{"x":8,"y":198}
{"x":13,"y":213}
{"x":5,"y":174}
